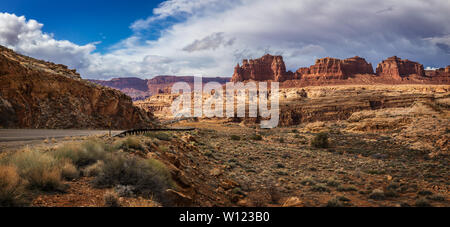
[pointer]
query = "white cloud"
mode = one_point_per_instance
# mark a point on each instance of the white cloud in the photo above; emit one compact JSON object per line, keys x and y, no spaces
{"x":26,"y":36}
{"x":210,"y":37}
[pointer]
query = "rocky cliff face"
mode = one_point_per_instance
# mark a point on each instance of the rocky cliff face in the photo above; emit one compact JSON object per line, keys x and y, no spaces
{"x":273,"y":68}
{"x":441,"y":75}
{"x":38,"y":94}
{"x":266,"y":68}
{"x":332,"y":68}
{"x":399,"y":69}
{"x":333,"y":71}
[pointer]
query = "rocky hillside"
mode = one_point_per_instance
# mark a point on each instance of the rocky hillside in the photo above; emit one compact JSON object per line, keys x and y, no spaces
{"x":333,"y":71}
{"x":140,"y":89}
{"x":39,"y":94}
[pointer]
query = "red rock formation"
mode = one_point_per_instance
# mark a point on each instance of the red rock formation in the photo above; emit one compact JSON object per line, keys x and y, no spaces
{"x":441,"y":75}
{"x":399,"y":69}
{"x":332,"y":71}
{"x":332,"y":68}
{"x":265,"y":68}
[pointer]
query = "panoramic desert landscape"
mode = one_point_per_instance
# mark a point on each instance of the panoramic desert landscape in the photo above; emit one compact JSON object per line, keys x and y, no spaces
{"x":151,"y":104}
{"x":346,"y":137}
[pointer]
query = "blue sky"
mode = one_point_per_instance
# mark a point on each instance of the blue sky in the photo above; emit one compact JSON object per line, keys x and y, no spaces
{"x":85,"y":21}
{"x":106,"y":39}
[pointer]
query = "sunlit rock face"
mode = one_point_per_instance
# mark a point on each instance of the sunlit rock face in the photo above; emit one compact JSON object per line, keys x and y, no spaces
{"x":39,"y":94}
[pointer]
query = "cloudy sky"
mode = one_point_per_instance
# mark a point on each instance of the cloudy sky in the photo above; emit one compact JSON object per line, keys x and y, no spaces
{"x":105,"y":39}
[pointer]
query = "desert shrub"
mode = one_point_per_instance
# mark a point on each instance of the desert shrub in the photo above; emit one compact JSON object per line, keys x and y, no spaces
{"x":320,"y":140}
{"x":436,"y":197}
{"x":308,"y":181}
{"x":69,"y":171}
{"x":235,"y":137}
{"x":82,"y":154}
{"x":111,"y":199}
{"x":41,"y":170}
{"x":159,"y":135}
{"x":319,"y":188}
{"x":331,"y":182}
{"x":256,"y":137}
{"x":422,"y":202}
{"x":124,"y":190}
{"x":12,"y":188}
{"x":335,"y":202}
{"x":148,"y":177}
{"x":93,"y":170}
{"x":390,"y":192}
{"x":377,"y":194}
{"x":129,"y":143}
{"x":342,"y":188}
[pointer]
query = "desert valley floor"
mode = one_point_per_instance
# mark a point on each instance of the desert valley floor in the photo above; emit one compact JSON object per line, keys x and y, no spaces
{"x":387,"y":156}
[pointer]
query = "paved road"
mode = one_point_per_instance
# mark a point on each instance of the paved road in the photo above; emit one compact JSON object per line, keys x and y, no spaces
{"x":13,"y":139}
{"x":7,"y":135}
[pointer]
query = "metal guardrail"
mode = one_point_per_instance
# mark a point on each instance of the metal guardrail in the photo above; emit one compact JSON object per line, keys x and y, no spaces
{"x":143,"y":131}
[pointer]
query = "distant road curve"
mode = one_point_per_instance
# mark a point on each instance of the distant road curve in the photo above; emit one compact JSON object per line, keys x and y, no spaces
{"x":11,"y":135}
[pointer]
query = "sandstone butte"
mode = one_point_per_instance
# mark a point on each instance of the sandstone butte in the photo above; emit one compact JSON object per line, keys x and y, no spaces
{"x":333,"y":71}
{"x":40,"y":94}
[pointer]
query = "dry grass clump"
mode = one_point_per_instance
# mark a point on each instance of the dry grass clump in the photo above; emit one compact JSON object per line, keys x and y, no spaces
{"x":12,"y":187}
{"x":82,"y":154}
{"x":129,"y":143}
{"x":69,"y":171}
{"x":111,"y":199}
{"x":41,"y":170}
{"x":93,"y":170}
{"x":148,"y":177}
{"x":37,"y":170}
{"x":159,"y":135}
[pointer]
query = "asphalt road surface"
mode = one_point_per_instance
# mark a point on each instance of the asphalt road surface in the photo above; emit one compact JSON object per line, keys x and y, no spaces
{"x":14,"y":138}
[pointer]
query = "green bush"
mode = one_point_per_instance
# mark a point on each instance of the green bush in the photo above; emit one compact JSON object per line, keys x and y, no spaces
{"x":148,"y":177}
{"x":320,"y":141}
